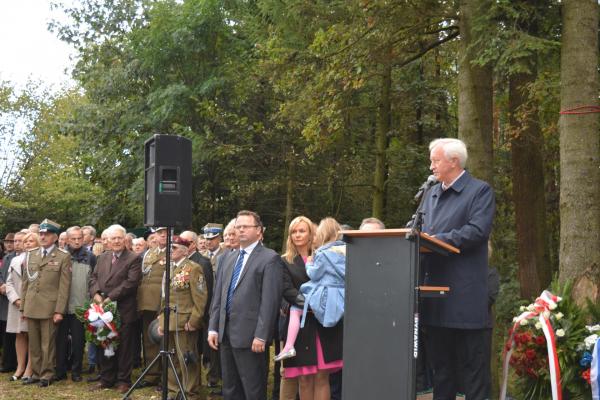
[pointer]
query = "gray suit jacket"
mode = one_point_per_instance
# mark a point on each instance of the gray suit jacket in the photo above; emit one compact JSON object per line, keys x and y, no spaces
{"x":256,"y":299}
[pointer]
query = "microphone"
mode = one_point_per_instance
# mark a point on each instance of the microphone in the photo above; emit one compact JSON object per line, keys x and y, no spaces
{"x":431,"y":180}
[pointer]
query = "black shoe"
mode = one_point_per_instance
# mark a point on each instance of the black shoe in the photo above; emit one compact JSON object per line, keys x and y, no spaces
{"x":212,"y":385}
{"x":44,"y":383}
{"x":93,"y":378}
{"x":30,"y":381}
{"x":5,"y":370}
{"x":143,"y":384}
{"x":76,"y":378}
{"x":60,"y":377}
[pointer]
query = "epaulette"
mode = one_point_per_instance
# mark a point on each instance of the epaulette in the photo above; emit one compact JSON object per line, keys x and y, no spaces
{"x":63,"y":250}
{"x":34,"y":249}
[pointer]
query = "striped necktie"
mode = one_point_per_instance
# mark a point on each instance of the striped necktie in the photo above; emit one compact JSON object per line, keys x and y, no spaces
{"x":234,"y":278}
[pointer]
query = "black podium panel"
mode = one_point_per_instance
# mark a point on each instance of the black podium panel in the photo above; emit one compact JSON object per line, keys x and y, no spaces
{"x":379,"y":319}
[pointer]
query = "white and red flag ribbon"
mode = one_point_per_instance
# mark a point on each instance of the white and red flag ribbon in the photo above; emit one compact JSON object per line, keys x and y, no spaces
{"x":541,"y":310}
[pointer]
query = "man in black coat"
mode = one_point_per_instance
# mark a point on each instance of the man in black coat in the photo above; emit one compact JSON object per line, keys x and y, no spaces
{"x":458,"y":210}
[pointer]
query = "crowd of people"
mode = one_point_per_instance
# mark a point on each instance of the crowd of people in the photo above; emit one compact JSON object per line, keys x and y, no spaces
{"x":232,"y":298}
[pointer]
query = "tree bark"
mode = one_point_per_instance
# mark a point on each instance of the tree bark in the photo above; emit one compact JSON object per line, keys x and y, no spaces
{"x":381,"y":142}
{"x":289,"y":199}
{"x":475,"y":95}
{"x":579,"y":258}
{"x":528,"y":186}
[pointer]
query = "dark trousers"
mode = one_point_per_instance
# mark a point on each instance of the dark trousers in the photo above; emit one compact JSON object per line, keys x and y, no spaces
{"x":117,"y":369}
{"x":244,"y":372}
{"x":9,"y":352}
{"x":69,"y":325}
{"x":459,"y":363}
{"x":335,"y":385}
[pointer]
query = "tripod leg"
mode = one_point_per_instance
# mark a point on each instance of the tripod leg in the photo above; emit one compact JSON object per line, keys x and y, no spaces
{"x":181,"y":390}
{"x":139,"y":379}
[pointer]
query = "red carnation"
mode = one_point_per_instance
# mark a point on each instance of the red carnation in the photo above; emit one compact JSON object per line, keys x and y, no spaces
{"x":586,"y":375}
{"x":530,"y":354}
{"x":540,"y":340}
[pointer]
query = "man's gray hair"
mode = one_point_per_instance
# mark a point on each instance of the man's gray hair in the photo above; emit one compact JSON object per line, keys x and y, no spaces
{"x":71,"y":229}
{"x":192,"y":234}
{"x":89,"y":228}
{"x":372,"y":220}
{"x":453,"y":148}
{"x":115,"y":227}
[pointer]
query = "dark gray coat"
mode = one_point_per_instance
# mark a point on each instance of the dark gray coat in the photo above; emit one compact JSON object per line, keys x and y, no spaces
{"x":255,"y":302}
{"x":461,"y":216}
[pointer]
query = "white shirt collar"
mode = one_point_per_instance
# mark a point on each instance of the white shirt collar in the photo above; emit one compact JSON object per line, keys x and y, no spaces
{"x":444,"y":187}
{"x":48,"y":250}
{"x":250,"y":248}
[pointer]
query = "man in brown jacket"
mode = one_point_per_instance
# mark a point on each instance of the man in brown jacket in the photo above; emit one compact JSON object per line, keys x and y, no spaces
{"x":116,"y":278}
{"x":188,"y":295}
{"x":45,"y":291}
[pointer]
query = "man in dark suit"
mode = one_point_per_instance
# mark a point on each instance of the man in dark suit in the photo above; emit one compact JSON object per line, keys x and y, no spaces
{"x":116,"y":278}
{"x":459,"y":210}
{"x":243,"y":311}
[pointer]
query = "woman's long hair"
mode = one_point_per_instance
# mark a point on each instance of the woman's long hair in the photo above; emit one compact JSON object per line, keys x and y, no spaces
{"x":290,"y":249}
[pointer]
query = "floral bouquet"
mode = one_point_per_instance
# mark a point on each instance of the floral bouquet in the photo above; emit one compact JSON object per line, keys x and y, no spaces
{"x":589,"y":362}
{"x":101,"y":323}
{"x":542,"y":348}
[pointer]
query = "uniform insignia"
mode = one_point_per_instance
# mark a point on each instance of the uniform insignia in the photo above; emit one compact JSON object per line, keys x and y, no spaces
{"x":201,"y":285}
{"x":53,"y":263}
{"x":34,"y":249}
{"x":63,"y":250}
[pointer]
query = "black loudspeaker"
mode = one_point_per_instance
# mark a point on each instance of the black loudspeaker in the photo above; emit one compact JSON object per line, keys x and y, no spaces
{"x":168,"y":181}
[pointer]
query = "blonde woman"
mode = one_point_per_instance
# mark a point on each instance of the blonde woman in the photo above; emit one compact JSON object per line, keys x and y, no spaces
{"x":319,"y":342}
{"x":16,"y":324}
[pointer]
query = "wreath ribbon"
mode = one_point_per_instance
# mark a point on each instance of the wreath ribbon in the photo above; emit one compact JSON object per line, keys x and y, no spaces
{"x":595,"y":371}
{"x":541,"y":310}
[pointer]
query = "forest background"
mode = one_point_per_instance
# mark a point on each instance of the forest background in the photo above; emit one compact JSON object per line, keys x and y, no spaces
{"x":325,"y":108}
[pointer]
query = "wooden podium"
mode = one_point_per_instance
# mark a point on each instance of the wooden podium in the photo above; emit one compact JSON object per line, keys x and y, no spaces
{"x":381,"y":318}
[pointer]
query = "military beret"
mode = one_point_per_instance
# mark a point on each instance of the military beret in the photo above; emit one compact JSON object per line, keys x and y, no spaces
{"x":180,"y":241}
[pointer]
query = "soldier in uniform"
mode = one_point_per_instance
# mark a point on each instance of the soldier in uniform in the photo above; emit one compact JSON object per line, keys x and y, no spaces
{"x":188,"y":296}
{"x":213,"y":233}
{"x":45,"y":293}
{"x":148,"y":300}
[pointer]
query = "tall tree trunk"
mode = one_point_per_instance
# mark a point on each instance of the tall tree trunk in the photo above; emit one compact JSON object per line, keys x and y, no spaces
{"x":381,"y":139}
{"x":474,"y":95}
{"x":580,"y":150}
{"x":289,"y":199}
{"x":528,"y":186}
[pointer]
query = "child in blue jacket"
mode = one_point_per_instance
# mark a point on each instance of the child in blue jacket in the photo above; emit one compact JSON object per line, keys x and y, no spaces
{"x":324,"y":292}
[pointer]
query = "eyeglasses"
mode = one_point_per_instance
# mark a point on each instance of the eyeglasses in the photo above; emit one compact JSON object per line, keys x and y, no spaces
{"x":244,"y":227}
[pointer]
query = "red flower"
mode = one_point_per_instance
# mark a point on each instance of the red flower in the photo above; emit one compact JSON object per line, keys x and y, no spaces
{"x":540,"y":340}
{"x":530,"y":354}
{"x":586,"y":375}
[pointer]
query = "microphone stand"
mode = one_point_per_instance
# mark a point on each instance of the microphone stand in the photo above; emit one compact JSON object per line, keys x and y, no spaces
{"x":414,"y":235}
{"x":164,"y":355}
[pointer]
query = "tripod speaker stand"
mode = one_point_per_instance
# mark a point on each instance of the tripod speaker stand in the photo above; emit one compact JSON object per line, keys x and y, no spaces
{"x":165,"y":355}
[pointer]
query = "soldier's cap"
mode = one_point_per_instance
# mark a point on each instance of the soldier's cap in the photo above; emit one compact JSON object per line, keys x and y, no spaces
{"x":211,"y":231}
{"x":10,"y":237}
{"x":48,"y":225}
{"x":180,"y":241}
{"x":160,"y":228}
